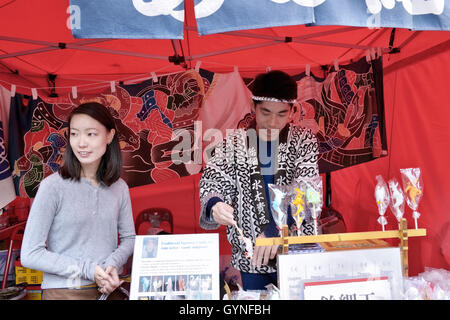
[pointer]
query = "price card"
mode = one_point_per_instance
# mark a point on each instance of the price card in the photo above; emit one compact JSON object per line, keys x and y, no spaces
{"x":294,"y":271}
{"x":371,"y":288}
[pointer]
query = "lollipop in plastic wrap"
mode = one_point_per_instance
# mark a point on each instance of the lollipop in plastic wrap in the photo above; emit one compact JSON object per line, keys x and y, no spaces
{"x":314,"y":199}
{"x":397,"y":199}
{"x":299,"y":206}
{"x":413,"y":188}
{"x":279,"y":200}
{"x":382,"y":198}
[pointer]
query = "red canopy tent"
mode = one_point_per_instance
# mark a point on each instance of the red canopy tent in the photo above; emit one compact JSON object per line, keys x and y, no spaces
{"x":36,"y":45}
{"x":36,"y":41}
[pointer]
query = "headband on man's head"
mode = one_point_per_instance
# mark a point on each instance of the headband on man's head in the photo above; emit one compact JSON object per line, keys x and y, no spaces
{"x":273,"y":99}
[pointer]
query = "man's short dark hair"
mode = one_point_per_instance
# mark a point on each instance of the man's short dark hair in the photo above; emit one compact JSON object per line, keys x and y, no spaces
{"x":274,"y":84}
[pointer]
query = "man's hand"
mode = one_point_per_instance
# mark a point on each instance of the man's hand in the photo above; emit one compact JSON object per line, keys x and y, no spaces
{"x":262,"y":254}
{"x":222,"y":213}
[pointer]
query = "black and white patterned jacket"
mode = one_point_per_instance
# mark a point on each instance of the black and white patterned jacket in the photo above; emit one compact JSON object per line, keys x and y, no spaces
{"x":234,"y":175}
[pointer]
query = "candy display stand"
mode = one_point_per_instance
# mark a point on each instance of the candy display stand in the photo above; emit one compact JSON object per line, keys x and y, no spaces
{"x":402,"y":234}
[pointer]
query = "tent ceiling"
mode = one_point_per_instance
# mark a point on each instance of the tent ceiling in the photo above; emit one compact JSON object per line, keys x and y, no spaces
{"x":35,"y":41}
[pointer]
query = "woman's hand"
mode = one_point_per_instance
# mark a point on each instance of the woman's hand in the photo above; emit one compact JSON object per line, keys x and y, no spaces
{"x":107,"y":280}
{"x":112,"y":271}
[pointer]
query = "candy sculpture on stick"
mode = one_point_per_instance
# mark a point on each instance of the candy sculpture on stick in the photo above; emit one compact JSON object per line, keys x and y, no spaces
{"x":397,"y":199}
{"x":278,"y":196}
{"x":299,"y":204}
{"x":314,"y":200}
{"x":276,"y":204}
{"x":413,"y":187}
{"x":382,"y":198}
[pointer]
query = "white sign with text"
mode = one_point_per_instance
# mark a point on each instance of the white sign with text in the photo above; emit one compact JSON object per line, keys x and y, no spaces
{"x":371,"y":288}
{"x":176,"y":267}
{"x":296,"y":270}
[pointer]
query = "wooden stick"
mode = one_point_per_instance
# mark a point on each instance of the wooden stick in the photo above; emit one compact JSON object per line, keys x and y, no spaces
{"x":334,"y":237}
{"x":403,"y":233}
{"x":404,"y":245}
{"x":227,"y":290}
{"x":285,"y":235}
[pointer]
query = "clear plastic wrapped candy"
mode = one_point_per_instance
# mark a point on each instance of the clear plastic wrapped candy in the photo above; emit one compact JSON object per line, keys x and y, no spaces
{"x":413,"y":189}
{"x":397,"y":203}
{"x":279,"y":201}
{"x":433,"y":284}
{"x":382,"y":197}
{"x":314,"y":195}
{"x":298,"y":205}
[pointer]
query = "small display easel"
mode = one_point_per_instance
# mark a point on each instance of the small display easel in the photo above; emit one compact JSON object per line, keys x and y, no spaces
{"x":403,"y":234}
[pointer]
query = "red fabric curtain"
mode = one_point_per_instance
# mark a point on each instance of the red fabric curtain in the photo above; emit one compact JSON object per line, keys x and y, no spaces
{"x":417,"y":124}
{"x":180,"y":196}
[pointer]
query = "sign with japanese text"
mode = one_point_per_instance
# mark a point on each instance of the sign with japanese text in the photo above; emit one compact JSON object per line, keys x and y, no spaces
{"x":371,"y":288}
{"x":348,"y":272}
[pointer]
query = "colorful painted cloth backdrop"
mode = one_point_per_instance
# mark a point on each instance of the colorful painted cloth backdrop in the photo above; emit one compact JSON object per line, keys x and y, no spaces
{"x":346,"y":112}
{"x":167,"y":128}
{"x":155,"y":121}
{"x":7,"y":193}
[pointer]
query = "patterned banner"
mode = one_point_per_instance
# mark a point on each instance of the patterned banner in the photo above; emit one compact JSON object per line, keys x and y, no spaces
{"x":4,"y":164}
{"x":163,"y":19}
{"x":6,"y":186}
{"x":215,"y":16}
{"x":7,"y":193}
{"x":136,"y":19}
{"x":408,"y":14}
{"x":346,"y":112}
{"x":159,"y":134}
{"x":167,"y":128}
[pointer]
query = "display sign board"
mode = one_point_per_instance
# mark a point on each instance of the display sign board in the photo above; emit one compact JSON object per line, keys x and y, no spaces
{"x":312,"y":275}
{"x":176,"y":267}
{"x":370,"y":288}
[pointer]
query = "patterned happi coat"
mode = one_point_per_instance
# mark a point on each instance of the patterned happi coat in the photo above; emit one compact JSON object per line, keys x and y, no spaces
{"x":234,"y":174}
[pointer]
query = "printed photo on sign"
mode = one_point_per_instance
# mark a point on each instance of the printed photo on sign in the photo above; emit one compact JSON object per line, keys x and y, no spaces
{"x":150,"y":247}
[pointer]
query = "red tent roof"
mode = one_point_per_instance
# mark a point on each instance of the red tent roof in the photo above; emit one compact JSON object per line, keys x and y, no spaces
{"x":35,"y":41}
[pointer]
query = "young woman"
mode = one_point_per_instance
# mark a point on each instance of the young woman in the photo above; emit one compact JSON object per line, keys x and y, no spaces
{"x":75,"y":219}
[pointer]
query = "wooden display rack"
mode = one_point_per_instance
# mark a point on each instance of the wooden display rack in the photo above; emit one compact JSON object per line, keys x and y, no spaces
{"x":403,"y":234}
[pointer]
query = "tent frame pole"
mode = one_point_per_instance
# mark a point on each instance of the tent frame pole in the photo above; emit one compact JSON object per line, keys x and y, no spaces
{"x":46,"y":49}
{"x":303,"y":39}
{"x":231,"y":50}
{"x":84,"y":47}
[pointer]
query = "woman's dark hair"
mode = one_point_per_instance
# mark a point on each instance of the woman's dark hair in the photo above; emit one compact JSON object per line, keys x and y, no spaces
{"x":274,"y":84}
{"x":110,"y":166}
